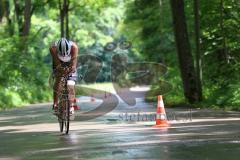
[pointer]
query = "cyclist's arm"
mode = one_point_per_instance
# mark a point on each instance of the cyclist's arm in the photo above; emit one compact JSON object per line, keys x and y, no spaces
{"x":74,"y":57}
{"x":55,"y":60}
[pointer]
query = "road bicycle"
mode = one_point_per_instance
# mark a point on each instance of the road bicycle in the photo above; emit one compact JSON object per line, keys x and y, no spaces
{"x":64,"y":107}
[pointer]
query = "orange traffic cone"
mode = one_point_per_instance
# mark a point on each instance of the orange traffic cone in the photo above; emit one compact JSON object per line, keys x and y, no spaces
{"x":75,"y":104}
{"x":161,"y":117}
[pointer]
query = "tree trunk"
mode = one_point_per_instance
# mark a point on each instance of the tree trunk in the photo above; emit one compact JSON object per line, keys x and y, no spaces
{"x":198,"y":52}
{"x":5,"y":12}
{"x":18,"y":13}
{"x":66,"y":8}
{"x":23,"y":15}
{"x":2,"y":9}
{"x":61,"y":9}
{"x":27,"y":18}
{"x":188,"y":74}
{"x":222,"y":53}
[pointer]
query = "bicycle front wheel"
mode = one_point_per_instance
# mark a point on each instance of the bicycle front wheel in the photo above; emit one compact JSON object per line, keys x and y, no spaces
{"x":67,"y":116}
{"x":64,"y":115}
{"x":61,"y":116}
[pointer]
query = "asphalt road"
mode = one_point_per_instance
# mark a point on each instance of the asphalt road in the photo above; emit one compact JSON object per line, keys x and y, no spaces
{"x":124,"y":133}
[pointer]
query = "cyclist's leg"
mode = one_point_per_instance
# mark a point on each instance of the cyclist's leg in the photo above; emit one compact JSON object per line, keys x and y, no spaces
{"x":71,"y":87}
{"x":56,"y":91}
{"x":71,"y":90}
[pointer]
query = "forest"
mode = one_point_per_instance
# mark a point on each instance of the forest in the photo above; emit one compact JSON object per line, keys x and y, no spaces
{"x":198,"y":41}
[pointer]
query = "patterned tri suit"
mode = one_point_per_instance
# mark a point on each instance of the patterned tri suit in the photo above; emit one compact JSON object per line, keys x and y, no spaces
{"x":72,"y":76}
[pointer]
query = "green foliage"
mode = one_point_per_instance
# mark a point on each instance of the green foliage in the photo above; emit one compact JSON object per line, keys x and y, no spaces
{"x":23,"y":73}
{"x":26,"y":63}
{"x":149,"y":25}
{"x":220,"y":45}
{"x":172,"y":89}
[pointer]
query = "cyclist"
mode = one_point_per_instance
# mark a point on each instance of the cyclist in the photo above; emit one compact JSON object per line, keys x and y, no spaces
{"x":64,"y":56}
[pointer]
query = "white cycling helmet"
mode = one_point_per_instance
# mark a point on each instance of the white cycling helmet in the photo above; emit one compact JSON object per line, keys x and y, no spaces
{"x":64,"y":49}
